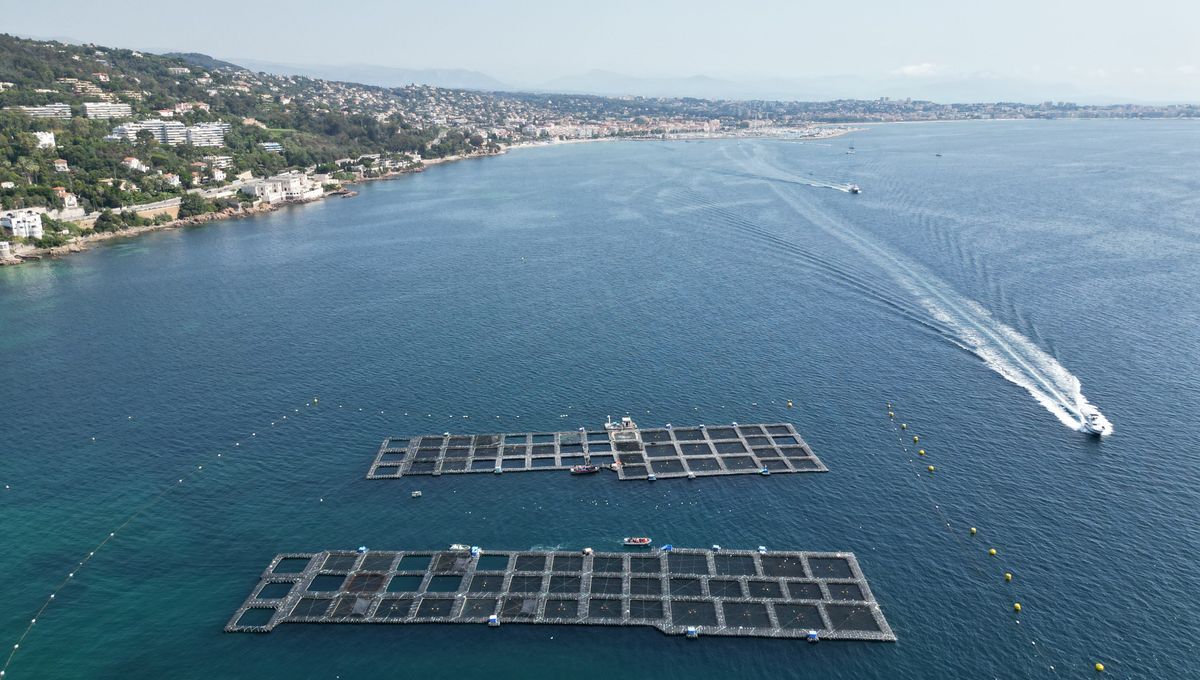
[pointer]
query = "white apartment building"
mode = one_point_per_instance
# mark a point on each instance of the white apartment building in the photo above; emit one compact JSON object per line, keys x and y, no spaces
{"x":157,"y":128}
{"x":172,"y":132}
{"x":23,"y":223}
{"x":45,"y":140}
{"x":47,"y":111}
{"x":105,"y":110}
{"x":207,"y":134}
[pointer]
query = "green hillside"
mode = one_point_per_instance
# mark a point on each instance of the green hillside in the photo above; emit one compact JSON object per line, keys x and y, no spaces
{"x":300,"y":114}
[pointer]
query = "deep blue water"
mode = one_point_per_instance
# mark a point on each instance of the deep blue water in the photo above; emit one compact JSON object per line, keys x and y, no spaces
{"x":698,"y":282}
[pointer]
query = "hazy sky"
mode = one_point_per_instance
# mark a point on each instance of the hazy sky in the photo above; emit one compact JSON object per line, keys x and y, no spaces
{"x":1146,"y":50}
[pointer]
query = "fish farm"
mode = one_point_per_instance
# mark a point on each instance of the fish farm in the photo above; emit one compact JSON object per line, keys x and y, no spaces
{"x":777,"y":594}
{"x":633,"y":453}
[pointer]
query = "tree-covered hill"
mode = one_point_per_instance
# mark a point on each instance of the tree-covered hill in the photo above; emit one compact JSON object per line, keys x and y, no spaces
{"x":314,"y":122}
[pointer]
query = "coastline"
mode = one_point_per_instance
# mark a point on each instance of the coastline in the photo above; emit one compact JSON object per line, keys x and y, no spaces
{"x":83,"y":242}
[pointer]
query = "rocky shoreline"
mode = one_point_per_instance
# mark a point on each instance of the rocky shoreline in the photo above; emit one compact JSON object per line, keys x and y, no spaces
{"x":81,"y":243}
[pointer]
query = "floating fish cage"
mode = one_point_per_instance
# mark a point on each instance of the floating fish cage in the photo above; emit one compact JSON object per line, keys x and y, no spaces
{"x":780,"y":594}
{"x":633,"y":453}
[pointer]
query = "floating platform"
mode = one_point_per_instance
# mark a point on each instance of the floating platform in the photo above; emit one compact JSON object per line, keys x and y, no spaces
{"x":634,"y":453}
{"x":725,"y":592}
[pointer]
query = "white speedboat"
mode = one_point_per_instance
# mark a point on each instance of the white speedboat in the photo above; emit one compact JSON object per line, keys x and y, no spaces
{"x":1095,"y":423}
{"x":854,"y":189}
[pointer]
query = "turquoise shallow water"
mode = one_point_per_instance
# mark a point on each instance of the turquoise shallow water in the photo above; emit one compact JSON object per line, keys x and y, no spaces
{"x":679,"y":282}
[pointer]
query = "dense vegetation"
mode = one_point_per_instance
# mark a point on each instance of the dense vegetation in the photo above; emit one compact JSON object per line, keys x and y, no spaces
{"x":310,"y":135}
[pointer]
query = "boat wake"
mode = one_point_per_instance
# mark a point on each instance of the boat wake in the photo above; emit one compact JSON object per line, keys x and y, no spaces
{"x":967,"y":323}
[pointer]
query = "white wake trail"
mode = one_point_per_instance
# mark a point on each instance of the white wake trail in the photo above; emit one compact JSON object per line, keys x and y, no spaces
{"x":1001,"y":347}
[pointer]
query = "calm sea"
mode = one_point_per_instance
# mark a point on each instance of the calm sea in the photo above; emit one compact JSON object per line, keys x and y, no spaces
{"x":989,"y":293}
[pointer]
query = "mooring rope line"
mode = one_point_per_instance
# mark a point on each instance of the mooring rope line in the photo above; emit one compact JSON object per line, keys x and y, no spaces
{"x":965,"y":547}
{"x":154,"y":500}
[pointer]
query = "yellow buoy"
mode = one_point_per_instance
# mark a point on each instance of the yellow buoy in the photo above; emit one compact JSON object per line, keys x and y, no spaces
{"x":916,"y":439}
{"x":992,"y":552}
{"x":1016,"y":606}
{"x":1099,"y":668}
{"x":921,"y":452}
{"x":973,"y":530}
{"x":903,"y":426}
{"x":932,"y":468}
{"x":1007,"y":576}
{"x":891,"y":415}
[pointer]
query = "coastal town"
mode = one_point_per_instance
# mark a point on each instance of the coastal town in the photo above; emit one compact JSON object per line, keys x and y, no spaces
{"x":100,"y":143}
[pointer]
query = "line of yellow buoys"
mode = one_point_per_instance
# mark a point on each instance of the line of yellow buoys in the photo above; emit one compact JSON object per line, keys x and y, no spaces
{"x":902,"y":427}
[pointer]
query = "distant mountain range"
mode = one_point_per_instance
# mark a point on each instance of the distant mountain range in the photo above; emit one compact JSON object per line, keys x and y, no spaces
{"x":942,"y":89}
{"x":961,"y":89}
{"x":948,"y":89}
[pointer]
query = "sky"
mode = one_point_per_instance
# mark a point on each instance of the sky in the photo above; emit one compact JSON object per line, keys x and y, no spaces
{"x":1095,"y":49}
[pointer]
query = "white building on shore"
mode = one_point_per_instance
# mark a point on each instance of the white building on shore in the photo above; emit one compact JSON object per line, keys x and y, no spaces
{"x":288,"y":186}
{"x":103,"y":110}
{"x":5,"y":250}
{"x":22,"y":223}
{"x":45,"y":140}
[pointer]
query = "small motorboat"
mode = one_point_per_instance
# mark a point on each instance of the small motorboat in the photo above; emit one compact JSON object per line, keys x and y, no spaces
{"x":636,"y":541}
{"x":584,"y":469}
{"x":416,"y":494}
{"x":854,"y":189}
{"x":1094,"y":422}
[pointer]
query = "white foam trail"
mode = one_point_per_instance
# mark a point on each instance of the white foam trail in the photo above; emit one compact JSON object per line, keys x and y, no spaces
{"x":1001,"y":347}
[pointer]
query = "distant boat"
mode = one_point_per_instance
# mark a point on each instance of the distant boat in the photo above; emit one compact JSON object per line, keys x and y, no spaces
{"x":584,"y":469}
{"x":938,"y":155}
{"x":636,"y":541}
{"x":854,"y":189}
